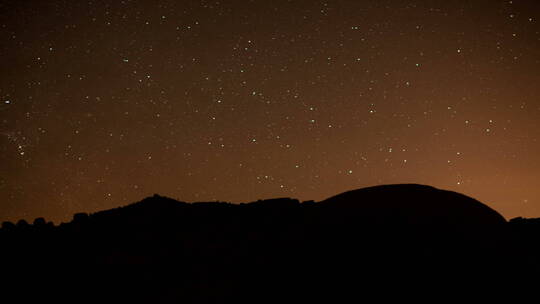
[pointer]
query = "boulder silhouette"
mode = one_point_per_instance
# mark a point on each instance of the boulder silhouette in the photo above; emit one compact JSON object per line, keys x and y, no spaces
{"x":39,"y":222}
{"x":6,"y":225}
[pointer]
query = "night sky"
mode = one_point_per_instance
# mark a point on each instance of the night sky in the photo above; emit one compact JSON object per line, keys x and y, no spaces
{"x":106,"y":102}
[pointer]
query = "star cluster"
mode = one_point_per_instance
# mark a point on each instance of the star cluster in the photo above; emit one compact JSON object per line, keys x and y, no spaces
{"x":106,"y":102}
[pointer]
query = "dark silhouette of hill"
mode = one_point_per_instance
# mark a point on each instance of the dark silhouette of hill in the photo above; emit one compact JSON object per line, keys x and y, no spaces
{"x":393,"y":242}
{"x":418,"y":204}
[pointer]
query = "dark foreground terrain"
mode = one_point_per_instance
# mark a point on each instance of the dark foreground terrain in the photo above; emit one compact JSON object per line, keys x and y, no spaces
{"x":389,"y":243}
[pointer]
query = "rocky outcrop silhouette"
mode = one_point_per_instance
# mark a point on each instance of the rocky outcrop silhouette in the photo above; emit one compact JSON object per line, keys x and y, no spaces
{"x":393,"y":242}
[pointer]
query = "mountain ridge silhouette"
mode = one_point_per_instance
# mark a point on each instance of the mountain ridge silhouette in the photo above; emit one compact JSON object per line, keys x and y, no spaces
{"x":394,"y":194}
{"x":355,"y":244}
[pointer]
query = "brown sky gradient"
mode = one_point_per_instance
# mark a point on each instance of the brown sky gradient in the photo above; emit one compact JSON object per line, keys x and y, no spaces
{"x":106,"y":102}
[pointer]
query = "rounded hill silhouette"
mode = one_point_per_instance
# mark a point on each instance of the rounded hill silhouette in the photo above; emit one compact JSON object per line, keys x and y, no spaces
{"x":417,"y":205}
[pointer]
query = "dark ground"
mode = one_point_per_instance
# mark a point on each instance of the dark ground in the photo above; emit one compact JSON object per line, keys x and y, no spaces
{"x":389,"y":243}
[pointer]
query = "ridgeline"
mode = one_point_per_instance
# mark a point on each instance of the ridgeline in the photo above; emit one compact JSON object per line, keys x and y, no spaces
{"x":394,"y":242}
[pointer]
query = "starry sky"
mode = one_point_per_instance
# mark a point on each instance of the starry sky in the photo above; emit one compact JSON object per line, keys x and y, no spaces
{"x":106,"y":102}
